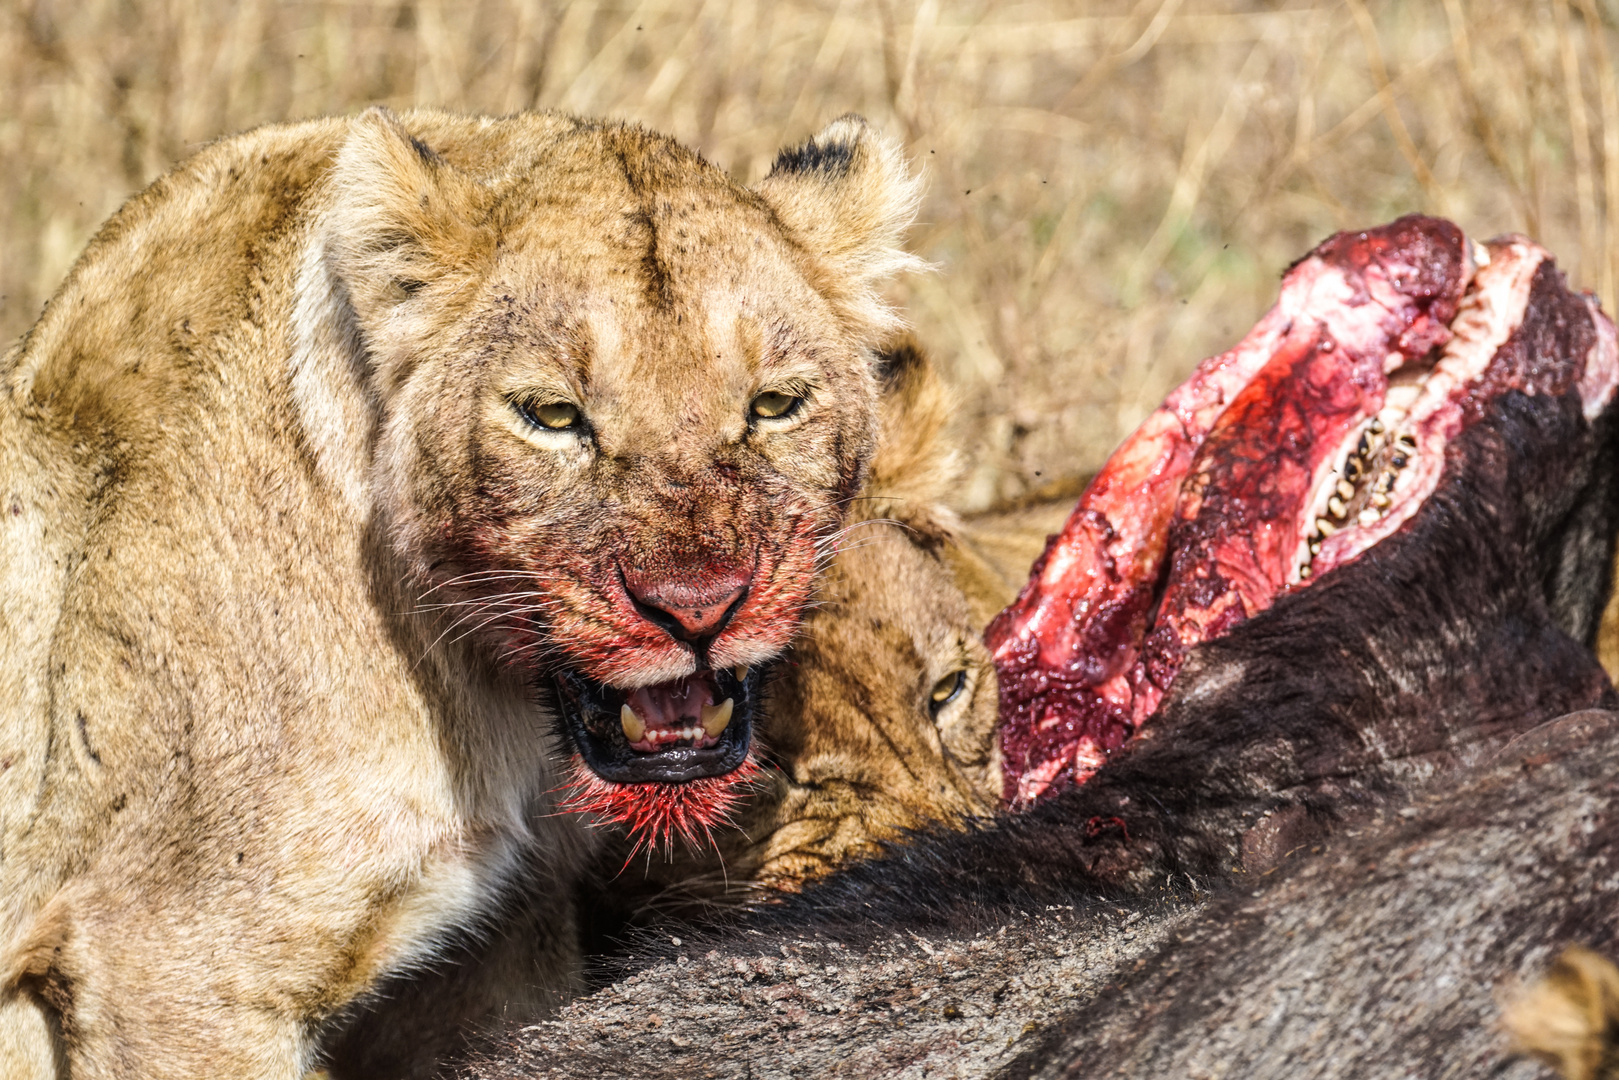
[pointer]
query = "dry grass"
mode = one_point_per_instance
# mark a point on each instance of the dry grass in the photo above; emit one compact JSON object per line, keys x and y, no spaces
{"x":1114,"y":187}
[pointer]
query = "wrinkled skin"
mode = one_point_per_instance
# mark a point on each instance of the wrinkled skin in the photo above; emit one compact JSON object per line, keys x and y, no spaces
{"x":1421,"y":654}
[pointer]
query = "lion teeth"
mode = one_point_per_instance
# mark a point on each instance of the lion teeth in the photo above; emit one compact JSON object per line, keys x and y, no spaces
{"x":716,"y":718}
{"x":634,"y":730}
{"x":741,"y":672}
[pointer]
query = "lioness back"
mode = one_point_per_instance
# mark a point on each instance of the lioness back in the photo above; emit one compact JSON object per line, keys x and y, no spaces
{"x":356,"y":475}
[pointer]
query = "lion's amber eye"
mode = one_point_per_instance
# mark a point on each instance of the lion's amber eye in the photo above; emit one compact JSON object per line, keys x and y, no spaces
{"x":555,"y":415}
{"x":947,"y":690}
{"x":773,"y":404}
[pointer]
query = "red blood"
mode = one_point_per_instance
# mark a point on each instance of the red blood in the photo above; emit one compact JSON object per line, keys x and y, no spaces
{"x":656,"y":814}
{"x":1196,"y":522}
{"x":1193,"y":523}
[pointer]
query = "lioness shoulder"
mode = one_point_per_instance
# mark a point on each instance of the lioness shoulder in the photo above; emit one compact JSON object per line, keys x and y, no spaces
{"x":363,"y":480}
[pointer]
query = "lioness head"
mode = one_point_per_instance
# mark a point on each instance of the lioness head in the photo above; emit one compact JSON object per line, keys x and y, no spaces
{"x":624,"y":404}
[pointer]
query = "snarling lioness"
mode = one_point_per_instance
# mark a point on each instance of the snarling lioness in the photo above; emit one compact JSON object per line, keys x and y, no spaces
{"x":367,"y":483}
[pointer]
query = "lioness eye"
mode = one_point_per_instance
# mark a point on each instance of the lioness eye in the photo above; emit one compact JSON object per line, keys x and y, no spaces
{"x":772,"y":404}
{"x":947,"y":690}
{"x":556,"y":415}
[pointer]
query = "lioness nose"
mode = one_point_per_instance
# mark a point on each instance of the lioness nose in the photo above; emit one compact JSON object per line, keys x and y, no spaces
{"x":691,"y":612}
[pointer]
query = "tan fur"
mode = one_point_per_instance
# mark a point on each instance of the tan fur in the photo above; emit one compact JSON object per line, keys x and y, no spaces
{"x":1570,"y":1018}
{"x":864,"y":756}
{"x":861,"y":756}
{"x":863,"y":752}
{"x":247,"y":770}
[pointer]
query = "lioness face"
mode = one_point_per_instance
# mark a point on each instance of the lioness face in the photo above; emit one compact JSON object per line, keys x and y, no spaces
{"x":623,"y":427}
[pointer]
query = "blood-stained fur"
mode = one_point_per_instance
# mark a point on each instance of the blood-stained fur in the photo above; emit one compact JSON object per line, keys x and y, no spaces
{"x":881,"y":716}
{"x":359,"y":478}
{"x":1324,"y":711}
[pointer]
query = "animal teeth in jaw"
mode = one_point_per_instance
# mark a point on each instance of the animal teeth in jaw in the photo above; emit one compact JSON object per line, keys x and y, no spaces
{"x":1368,"y":517}
{"x":1325,"y":527}
{"x":1335,"y":507}
{"x":716,"y":718}
{"x":741,"y":672}
{"x":634,"y":730}
{"x":663,"y":735}
{"x":1346,"y":490}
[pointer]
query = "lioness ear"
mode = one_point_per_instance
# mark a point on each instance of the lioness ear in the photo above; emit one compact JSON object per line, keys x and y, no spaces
{"x":916,"y":464}
{"x":402,"y":218}
{"x":846,"y":197}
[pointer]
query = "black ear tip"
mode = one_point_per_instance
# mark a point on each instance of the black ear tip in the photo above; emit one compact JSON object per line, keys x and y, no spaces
{"x":425,"y":152}
{"x":899,"y":361}
{"x":830,"y":151}
{"x":831,"y":158}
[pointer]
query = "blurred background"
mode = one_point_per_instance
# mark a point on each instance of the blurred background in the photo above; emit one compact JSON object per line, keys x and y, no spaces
{"x":1114,"y":188}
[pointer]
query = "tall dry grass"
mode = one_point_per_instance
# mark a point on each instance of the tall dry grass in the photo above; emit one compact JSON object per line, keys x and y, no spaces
{"x":1114,"y":187}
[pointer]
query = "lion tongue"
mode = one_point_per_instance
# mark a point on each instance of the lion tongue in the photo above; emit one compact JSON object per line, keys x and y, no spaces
{"x":669,"y":713}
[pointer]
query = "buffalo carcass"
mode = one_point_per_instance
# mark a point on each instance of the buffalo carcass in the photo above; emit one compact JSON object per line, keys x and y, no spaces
{"x":1249,"y":638}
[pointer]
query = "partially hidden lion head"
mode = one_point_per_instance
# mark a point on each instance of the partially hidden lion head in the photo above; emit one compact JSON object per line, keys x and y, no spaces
{"x":625,"y":404}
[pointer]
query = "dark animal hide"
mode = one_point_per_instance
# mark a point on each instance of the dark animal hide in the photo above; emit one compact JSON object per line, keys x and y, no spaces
{"x":1386,"y":952}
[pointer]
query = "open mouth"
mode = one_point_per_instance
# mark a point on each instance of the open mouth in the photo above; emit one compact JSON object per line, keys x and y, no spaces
{"x":1321,"y":434}
{"x":687,"y":729}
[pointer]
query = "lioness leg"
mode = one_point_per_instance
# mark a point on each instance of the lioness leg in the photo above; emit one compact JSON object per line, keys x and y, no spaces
{"x":104,"y":986}
{"x":417,"y":1023}
{"x":28,"y":1051}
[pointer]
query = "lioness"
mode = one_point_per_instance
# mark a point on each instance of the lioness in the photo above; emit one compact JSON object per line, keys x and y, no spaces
{"x":362,"y":472}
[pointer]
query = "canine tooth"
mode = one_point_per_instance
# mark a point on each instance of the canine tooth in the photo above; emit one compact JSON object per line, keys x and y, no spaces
{"x":1346,"y":490}
{"x":634,"y":730}
{"x":741,"y":672}
{"x":1325,"y":527}
{"x":716,"y":718}
{"x":1335,"y":507}
{"x":1368,"y":517}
